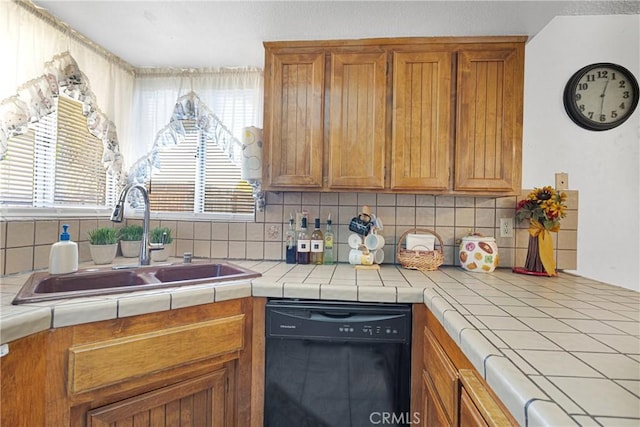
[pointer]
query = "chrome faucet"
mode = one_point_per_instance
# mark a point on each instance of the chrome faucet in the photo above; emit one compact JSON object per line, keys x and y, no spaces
{"x":118,"y":213}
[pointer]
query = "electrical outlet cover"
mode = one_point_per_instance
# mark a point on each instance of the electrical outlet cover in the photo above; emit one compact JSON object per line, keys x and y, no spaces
{"x":506,"y":227}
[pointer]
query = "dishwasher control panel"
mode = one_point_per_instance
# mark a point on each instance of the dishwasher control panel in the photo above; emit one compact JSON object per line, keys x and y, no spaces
{"x":339,"y":322}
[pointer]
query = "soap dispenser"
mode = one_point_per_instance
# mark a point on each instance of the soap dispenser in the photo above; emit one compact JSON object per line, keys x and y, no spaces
{"x":63,"y":257}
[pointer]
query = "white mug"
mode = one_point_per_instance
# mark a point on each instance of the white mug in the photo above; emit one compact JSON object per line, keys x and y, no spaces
{"x":356,"y":256}
{"x":354,"y":240}
{"x":378,"y":256}
{"x":374,"y":241}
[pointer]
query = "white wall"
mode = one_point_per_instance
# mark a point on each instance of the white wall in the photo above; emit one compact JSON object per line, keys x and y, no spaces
{"x":602,"y":166}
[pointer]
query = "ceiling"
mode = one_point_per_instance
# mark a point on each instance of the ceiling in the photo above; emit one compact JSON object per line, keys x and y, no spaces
{"x":197,"y":34}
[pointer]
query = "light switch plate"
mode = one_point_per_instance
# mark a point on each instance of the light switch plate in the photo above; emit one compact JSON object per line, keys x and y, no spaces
{"x":562,"y":181}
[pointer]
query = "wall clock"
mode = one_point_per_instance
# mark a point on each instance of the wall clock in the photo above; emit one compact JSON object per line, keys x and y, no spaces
{"x":601,"y":96}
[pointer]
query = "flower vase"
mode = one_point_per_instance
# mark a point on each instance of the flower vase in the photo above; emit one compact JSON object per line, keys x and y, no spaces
{"x":533,"y":263}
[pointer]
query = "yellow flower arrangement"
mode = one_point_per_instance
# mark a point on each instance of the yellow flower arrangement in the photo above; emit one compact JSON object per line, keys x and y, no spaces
{"x":543,"y":207}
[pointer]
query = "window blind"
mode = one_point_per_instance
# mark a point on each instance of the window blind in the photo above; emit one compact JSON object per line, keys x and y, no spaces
{"x":56,"y":163}
{"x":197,"y":176}
{"x":16,"y":171}
{"x":80,"y":177}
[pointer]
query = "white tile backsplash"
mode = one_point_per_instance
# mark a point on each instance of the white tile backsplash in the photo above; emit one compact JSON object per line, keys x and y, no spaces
{"x":449,"y":216}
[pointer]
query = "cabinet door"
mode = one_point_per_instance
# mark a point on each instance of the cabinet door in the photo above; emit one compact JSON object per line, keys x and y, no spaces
{"x":421,"y":121}
{"x":443,"y":375}
{"x":293,"y":119}
{"x":200,"y":402}
{"x":488,"y":153}
{"x":432,"y":413}
{"x":357,"y":122}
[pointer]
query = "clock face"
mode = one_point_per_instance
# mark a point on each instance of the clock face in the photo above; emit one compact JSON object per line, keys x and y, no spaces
{"x":601,"y":96}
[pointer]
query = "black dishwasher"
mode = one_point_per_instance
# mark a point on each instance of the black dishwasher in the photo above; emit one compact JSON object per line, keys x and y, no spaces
{"x":337,"y":364}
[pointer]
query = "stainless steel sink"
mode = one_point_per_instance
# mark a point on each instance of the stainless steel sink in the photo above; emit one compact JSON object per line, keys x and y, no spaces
{"x":101,"y":281}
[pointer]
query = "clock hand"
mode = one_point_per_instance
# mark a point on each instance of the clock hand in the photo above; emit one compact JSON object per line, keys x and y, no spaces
{"x":602,"y":96}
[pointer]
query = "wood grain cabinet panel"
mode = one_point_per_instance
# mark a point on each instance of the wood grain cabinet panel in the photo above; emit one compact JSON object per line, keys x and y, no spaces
{"x":432,"y":415}
{"x":293,"y":122}
{"x":421,"y":120}
{"x":488,"y":147}
{"x":357,"y":124}
{"x":200,"y":402}
{"x":443,"y":375}
{"x":91,"y":365}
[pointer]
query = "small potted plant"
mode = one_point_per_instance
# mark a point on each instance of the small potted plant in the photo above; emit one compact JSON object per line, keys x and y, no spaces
{"x":156,"y":237}
{"x":103,"y":244}
{"x":130,"y":240}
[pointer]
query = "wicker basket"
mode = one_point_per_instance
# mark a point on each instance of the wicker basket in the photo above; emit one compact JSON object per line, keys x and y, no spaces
{"x":420,"y":260}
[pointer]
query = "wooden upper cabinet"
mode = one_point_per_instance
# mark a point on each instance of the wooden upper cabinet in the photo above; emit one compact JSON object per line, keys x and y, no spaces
{"x":488,"y":146}
{"x":421,"y":120}
{"x":293,"y":118}
{"x":357,"y":120}
{"x":436,"y":115}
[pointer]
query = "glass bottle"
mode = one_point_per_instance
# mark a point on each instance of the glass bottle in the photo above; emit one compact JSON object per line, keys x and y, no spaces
{"x":317,"y":244}
{"x":304,"y":243}
{"x":291,"y":257}
{"x":328,"y":243}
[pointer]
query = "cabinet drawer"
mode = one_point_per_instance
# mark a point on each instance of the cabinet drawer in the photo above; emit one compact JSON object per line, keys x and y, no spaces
{"x":99,"y":364}
{"x":443,"y":375}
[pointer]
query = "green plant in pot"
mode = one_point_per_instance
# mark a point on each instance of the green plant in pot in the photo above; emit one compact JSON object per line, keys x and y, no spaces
{"x":130,"y":240}
{"x":160,"y":235}
{"x":103,"y":244}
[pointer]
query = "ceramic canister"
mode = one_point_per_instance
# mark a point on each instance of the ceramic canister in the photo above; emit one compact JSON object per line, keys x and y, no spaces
{"x":479,"y":253}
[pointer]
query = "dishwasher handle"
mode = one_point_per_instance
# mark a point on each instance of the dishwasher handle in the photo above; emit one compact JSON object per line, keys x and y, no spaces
{"x":353,"y":318}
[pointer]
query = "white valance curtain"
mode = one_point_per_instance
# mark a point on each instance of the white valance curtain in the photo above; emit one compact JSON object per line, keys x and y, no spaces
{"x":234,"y":95}
{"x":35,"y":101}
{"x":225,"y":102}
{"x":29,"y":39}
{"x":139,"y":102}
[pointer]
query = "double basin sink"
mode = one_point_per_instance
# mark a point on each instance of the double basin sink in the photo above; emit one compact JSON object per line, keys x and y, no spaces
{"x":42,"y":286}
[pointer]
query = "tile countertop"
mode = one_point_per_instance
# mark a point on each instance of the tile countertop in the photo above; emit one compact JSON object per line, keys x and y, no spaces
{"x":557,"y":351}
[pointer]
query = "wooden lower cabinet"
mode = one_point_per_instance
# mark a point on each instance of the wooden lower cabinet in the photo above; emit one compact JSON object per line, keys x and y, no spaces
{"x":199,"y":402}
{"x":452,"y":393}
{"x":186,"y":367}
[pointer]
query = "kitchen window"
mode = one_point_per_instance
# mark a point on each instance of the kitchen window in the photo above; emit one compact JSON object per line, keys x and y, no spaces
{"x":190,"y":174}
{"x":56,"y":164}
{"x":197,"y":176}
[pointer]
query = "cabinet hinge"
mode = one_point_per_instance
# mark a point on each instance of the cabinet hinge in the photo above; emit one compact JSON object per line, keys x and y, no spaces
{"x":227,"y":386}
